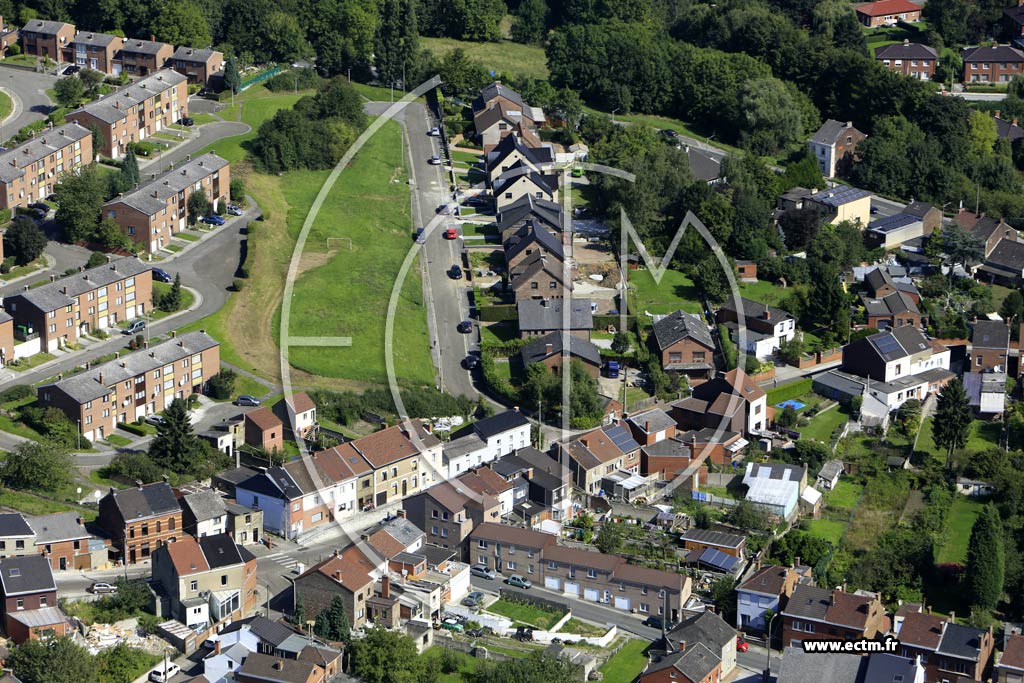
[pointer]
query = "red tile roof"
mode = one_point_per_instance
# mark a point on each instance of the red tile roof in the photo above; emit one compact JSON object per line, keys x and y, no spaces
{"x":922,"y":630}
{"x":263,"y":418}
{"x":187,"y":557}
{"x":886,"y":7}
{"x":1013,"y":653}
{"x":351,"y":569}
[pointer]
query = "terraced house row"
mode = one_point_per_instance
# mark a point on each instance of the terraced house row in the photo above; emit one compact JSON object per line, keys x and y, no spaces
{"x":29,"y":172}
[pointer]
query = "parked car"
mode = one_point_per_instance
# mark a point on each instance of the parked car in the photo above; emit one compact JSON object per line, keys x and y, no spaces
{"x":654,"y":621}
{"x":164,"y":672}
{"x":211,"y":643}
{"x":523,"y":633}
{"x":134,"y":327}
{"x":162,"y":275}
{"x":73,"y":69}
{"x":669,"y":133}
{"x":421,"y":236}
{"x":451,"y":234}
{"x":465,"y":327}
{"x":471,"y":362}
{"x":101,"y":587}
{"x":476,"y":632}
{"x":40,"y":206}
{"x":434,"y":160}
{"x":611,"y":369}
{"x":475,"y":201}
{"x":235,"y":210}
{"x":455,"y":272}
{"x":246,"y":400}
{"x":213,"y":219}
{"x":187,"y":121}
{"x":519,"y":581}
{"x":434,"y":132}
{"x":483,"y":572}
{"x":450,"y":624}
{"x":443,"y":209}
{"x":155,"y":420}
{"x":473,"y":599}
{"x":741,"y":644}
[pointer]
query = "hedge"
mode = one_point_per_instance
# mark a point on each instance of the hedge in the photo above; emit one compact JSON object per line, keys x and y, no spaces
{"x":789,"y":391}
{"x":496,"y":384}
{"x":137,"y":430}
{"x":497,"y":314}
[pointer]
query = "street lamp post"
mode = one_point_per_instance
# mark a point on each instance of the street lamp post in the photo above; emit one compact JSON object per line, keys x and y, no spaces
{"x":768,"y":648}
{"x":613,"y":113}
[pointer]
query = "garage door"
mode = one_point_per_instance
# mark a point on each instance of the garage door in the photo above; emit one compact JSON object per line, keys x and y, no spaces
{"x":572,"y":589}
{"x":621,"y":603}
{"x":591,"y":594}
{"x":551,"y":583}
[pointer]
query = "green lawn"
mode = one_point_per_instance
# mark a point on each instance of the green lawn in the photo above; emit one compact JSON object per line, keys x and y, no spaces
{"x":627,"y":663}
{"x":203,"y":118}
{"x":958,"y":529}
{"x":525,"y":612}
{"x":984,"y":435}
{"x":186,"y":300}
{"x":925,"y":442}
{"x":345,"y":291}
{"x":377,"y":94}
{"x":467,"y":157}
{"x":844,"y":495}
{"x":32,"y":504}
{"x":5,"y":105}
{"x":117,"y":440}
{"x":583,"y":628}
{"x":12,"y":426}
{"x":258,"y":105}
{"x":823,"y":424}
{"x":468,"y":667}
{"x":187,"y":236}
{"x":675,"y":291}
{"x":829,"y":529}
{"x":765,"y":292}
{"x":498,"y":333}
{"x":522,"y":60}
{"x":31,"y":362}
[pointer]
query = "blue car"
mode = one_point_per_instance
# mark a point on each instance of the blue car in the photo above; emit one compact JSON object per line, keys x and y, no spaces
{"x":162,"y":275}
{"x":213,"y":220}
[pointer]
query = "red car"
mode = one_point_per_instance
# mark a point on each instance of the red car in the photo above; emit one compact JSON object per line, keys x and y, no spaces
{"x":450,"y":234}
{"x":741,"y":644}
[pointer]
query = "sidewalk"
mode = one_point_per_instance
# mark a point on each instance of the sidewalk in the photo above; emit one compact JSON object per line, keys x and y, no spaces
{"x":251,"y":213}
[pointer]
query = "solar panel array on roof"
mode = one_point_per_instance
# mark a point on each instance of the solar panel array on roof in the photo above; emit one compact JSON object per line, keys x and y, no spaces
{"x":718,"y":559}
{"x":622,"y":438}
{"x":887,"y":345}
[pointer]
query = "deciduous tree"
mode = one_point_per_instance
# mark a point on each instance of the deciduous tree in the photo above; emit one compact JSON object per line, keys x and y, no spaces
{"x":55,"y":661}
{"x":79,"y":201}
{"x":37,"y":466}
{"x":182,"y":23}
{"x":69,"y":91}
{"x":24,"y":240}
{"x":530,"y":22}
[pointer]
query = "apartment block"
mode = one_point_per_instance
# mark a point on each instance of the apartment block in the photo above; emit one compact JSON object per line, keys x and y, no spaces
{"x":199,"y":66}
{"x":30,"y":171}
{"x":158,"y":208}
{"x":58,"y":313}
{"x":136,"y":385}
{"x":141,"y":57}
{"x":47,"y":39}
{"x":139,"y":520}
{"x":136,"y":111}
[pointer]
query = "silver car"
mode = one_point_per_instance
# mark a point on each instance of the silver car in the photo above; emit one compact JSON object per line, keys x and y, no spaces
{"x":483,"y":572}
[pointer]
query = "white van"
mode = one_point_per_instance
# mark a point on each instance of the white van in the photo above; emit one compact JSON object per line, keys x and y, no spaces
{"x":161,"y":674}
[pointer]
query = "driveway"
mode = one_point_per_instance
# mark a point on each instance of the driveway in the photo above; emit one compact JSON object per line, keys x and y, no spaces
{"x":28,"y":93}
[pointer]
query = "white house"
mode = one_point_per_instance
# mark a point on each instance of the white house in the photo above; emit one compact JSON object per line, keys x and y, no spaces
{"x":829,"y":474}
{"x":485,"y":441}
{"x":206,"y":511}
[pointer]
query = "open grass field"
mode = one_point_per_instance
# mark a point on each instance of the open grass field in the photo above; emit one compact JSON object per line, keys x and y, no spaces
{"x":257,"y":105}
{"x":958,"y":530}
{"x":829,"y":529}
{"x":345,"y":292}
{"x":6,"y":105}
{"x":675,"y":291}
{"x":983,"y":435}
{"x":627,"y":663}
{"x":525,"y":612}
{"x":823,"y":424}
{"x":765,"y":292}
{"x":515,"y":58}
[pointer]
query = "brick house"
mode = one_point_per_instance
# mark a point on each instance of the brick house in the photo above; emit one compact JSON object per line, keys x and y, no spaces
{"x":526,"y":211}
{"x":30,"y":172}
{"x":63,"y":540}
{"x":683,"y":344}
{"x":541,"y":277}
{"x":709,"y":628}
{"x":395,"y":454}
{"x":667,"y":459}
{"x":910,"y":59}
{"x":156,"y":210}
{"x":292,"y":499}
{"x":696,"y":663}
{"x":135,"y":112}
{"x":991,"y":231}
{"x":892,"y":311}
{"x":490,"y":543}
{"x":1010,"y":667}
{"x":30,"y":600}
{"x":448,"y":514}
{"x":261,"y":668}
{"x":527,"y":240}
{"x":548,"y":350}
{"x":512,"y":150}
{"x":737,"y":384}
{"x":198,"y":66}
{"x":136,"y":385}
{"x":264,"y":430}
{"x":47,"y":39}
{"x":833,"y":146}
{"x":349,"y":573}
{"x":946,"y":649}
{"x":139,"y":520}
{"x":597,"y":453}
{"x":767,"y":589}
{"x":888,"y":13}
{"x":94,"y":51}
{"x":992,"y":64}
{"x":207,"y":580}
{"x":819,"y":614}
{"x":990,"y":346}
{"x":61,"y":311}
{"x":141,"y":57}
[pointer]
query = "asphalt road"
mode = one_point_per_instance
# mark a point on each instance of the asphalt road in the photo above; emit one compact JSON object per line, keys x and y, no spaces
{"x":447,"y":299}
{"x":28,"y":92}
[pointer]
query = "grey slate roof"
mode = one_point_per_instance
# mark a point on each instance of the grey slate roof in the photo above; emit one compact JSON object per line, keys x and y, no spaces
{"x":696,"y":662}
{"x":86,"y":386}
{"x":719,"y":538}
{"x":143,"y":47}
{"x":275,"y":482}
{"x":681,"y":325}
{"x":917,"y":208}
{"x":220,"y":550}
{"x":62,"y":526}
{"x":668,"y":448}
{"x":546,"y":314}
{"x":14,"y":524}
{"x":400,"y":528}
{"x":46,"y":27}
{"x":887,"y":668}
{"x":499,"y":423}
{"x":906,"y":51}
{"x":191,"y":54}
{"x":536,"y":350}
{"x":1008,"y":254}
{"x":28,"y":574}
{"x":205,"y":505}
{"x":653,"y":420}
{"x":756,"y":309}
{"x":891,"y":304}
{"x":61,"y":293}
{"x":829,"y":132}
{"x":149,"y":500}
{"x":706,"y":627}
{"x":498,"y":89}
{"x":990,"y":334}
{"x":830,"y":470}
{"x":511,"y":143}
{"x":91,"y":38}
{"x":809,"y":602}
{"x":802,"y":667}
{"x":151,"y":197}
{"x":114,"y":107}
{"x":45,"y":143}
{"x":545,"y":182}
{"x":992,"y":53}
{"x":536,"y":264}
{"x":1008,"y":129}
{"x":548,"y":212}
{"x":961,"y":641}
{"x":530,"y":234}
{"x":878,"y":278}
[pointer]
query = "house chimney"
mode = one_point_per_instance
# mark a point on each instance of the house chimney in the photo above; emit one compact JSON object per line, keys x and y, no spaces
{"x":549,"y":349}
{"x":682,"y":646}
{"x":767,"y":315}
{"x":101,"y":377}
{"x":385,"y":587}
{"x":1014,"y":122}
{"x":796,"y":561}
{"x":906,"y":41}
{"x":952,"y":617}
{"x":279,"y":665}
{"x":337,"y":576}
{"x":53,"y":278}
{"x":997,"y":111}
{"x":401,"y":513}
{"x":216,"y":647}
{"x":174,"y":333}
{"x":152,"y":38}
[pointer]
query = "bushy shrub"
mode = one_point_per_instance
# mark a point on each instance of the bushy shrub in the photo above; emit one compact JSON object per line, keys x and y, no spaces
{"x":238,"y":285}
{"x":303,"y":79}
{"x":16,"y":393}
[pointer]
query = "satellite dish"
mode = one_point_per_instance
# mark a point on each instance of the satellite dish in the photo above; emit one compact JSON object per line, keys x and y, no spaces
{"x":97,"y":495}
